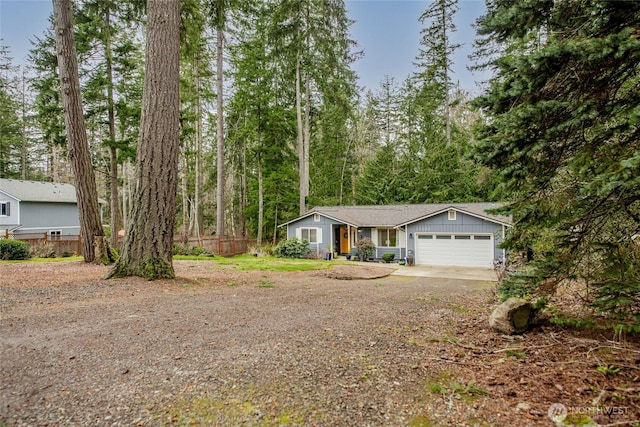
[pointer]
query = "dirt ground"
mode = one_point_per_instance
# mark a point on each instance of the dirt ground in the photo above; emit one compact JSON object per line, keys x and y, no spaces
{"x":220,"y":347}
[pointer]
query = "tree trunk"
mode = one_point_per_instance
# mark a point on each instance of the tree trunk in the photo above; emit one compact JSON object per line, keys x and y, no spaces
{"x":300,"y":139}
{"x":114,"y":204}
{"x":24,"y":148}
{"x":245,"y":201}
{"x":260,"y":203}
{"x":220,"y":224}
{"x":198,"y":184}
{"x":447,"y":107}
{"x":185,"y":202}
{"x":307,"y":137}
{"x":147,"y":250}
{"x":86,"y":191}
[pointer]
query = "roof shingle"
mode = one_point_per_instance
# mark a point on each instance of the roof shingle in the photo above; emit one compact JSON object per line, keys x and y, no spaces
{"x":396,"y":215}
{"x":34,"y":191}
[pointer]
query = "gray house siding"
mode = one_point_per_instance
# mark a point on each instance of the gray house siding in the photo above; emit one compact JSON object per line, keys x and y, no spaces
{"x":39,"y":217}
{"x":399,"y":251}
{"x":463,"y":224}
{"x":324,"y":229}
{"x":11,"y":220}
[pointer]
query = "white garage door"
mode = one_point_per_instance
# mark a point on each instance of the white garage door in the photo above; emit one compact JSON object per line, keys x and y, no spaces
{"x":467,"y":250}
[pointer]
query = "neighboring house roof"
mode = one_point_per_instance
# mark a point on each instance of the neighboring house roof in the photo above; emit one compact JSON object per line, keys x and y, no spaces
{"x":399,"y":215}
{"x":33,"y":191}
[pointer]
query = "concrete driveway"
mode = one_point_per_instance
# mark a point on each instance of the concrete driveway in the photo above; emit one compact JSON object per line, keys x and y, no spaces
{"x":464,"y":273}
{"x":443,"y":272}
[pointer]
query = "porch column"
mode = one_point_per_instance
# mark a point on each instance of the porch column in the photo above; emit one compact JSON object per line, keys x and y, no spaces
{"x":406,"y":242}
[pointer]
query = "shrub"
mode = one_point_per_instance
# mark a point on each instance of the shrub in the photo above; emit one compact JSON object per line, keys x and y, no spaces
{"x":388,"y":257}
{"x":267,"y":249}
{"x":43,"y":250}
{"x":292,"y":248}
{"x":14,"y":249}
{"x":186,"y":250}
{"x":365,"y":248}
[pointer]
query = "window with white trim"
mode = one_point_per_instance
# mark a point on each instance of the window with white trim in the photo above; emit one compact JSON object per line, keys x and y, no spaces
{"x":387,"y":237}
{"x":452,"y":215}
{"x":5,"y":208}
{"x":55,"y":234}
{"x":311,"y":235}
{"x":316,"y":217}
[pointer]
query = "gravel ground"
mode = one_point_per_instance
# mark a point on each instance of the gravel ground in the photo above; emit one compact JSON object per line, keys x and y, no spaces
{"x":222,"y":347}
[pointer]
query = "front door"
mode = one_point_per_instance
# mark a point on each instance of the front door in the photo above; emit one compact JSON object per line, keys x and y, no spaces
{"x":344,"y":241}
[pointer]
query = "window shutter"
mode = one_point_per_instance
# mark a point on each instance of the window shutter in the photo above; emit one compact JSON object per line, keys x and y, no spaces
{"x":299,"y":233}
{"x":319,"y":235}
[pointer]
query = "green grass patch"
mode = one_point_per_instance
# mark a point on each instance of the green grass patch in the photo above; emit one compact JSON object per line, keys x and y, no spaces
{"x":421,"y":421}
{"x":266,"y":284}
{"x":58,"y":259}
{"x":195,"y":258}
{"x":268,"y":263}
{"x":457,"y":308}
{"x":445,"y":386}
{"x":246,"y":405}
{"x":516,"y":354}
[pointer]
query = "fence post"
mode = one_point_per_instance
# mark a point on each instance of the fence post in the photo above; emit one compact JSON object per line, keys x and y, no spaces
{"x":6,"y":233}
{"x":79,"y":251}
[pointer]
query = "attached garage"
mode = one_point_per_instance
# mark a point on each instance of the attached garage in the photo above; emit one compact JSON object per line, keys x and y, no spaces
{"x":458,"y":235}
{"x":464,"y":250}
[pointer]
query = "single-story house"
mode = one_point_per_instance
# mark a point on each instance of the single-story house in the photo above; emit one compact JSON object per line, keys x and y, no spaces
{"x":30,"y":207}
{"x":455,"y":234}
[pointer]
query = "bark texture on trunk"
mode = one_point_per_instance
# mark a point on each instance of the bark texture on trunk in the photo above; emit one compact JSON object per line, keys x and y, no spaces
{"x":79,"y":155}
{"x":114,"y":202}
{"x":147,"y":250}
{"x":220,"y":222}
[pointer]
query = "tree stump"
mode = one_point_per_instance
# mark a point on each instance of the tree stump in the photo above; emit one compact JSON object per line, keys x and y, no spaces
{"x":103,"y":253}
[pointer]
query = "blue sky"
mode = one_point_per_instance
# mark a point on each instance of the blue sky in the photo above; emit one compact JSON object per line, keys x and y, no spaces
{"x":389,"y":33}
{"x":387,"y":30}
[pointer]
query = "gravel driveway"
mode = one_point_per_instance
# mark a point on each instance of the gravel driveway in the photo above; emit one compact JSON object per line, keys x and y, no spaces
{"x":229,"y":348}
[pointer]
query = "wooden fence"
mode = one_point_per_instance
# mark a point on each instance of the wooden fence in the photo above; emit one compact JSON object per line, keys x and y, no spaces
{"x":218,"y":245}
{"x":69,"y":244}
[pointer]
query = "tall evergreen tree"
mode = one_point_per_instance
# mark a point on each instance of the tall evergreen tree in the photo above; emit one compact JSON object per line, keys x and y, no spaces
{"x":148,"y":245}
{"x":564,"y":136}
{"x":435,"y":59}
{"x":11,"y":138}
{"x":48,"y":103}
{"x":105,"y":34}
{"x":86,"y":191}
{"x":313,"y":45}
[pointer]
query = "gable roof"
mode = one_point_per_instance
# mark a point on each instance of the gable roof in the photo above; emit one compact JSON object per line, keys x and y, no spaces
{"x":478,"y":210}
{"x":35,"y":191}
{"x":399,"y":215}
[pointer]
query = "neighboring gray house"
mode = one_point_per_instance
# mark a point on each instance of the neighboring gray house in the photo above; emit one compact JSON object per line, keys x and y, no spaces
{"x":29,"y":207}
{"x":456,"y":234}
